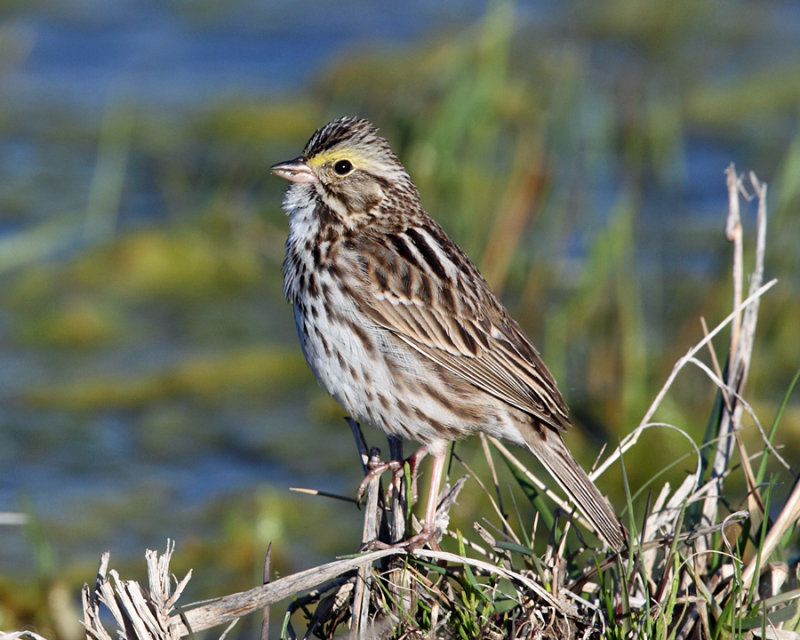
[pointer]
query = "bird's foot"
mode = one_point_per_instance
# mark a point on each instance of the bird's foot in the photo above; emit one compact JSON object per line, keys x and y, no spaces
{"x":398,"y":469}
{"x":426,"y":537}
{"x":396,"y":466}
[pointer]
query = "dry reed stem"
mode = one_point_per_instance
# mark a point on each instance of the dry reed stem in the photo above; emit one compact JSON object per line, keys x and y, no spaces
{"x":741,"y":345}
{"x":142,"y":615}
{"x":788,"y":517}
{"x":631,"y":439}
{"x":266,"y":579}
{"x":20,"y":635}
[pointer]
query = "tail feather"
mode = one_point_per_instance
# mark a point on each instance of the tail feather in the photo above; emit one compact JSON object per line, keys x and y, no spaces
{"x":556,"y":458}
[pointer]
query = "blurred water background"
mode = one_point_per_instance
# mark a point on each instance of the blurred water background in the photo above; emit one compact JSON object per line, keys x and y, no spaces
{"x":150,"y":381}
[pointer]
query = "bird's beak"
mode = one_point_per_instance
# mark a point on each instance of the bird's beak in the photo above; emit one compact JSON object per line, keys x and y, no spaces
{"x":296,"y":170}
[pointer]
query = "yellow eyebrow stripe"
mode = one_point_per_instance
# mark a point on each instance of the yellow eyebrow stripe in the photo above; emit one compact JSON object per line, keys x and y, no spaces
{"x":338,"y":154}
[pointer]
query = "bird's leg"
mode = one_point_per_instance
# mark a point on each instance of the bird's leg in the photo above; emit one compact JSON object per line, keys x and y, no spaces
{"x":395,"y":453}
{"x":433,"y":495}
{"x":413,"y":468}
{"x":428,"y":533}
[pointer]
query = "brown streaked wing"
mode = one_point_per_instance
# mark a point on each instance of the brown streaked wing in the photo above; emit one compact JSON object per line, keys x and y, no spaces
{"x":477,"y":340}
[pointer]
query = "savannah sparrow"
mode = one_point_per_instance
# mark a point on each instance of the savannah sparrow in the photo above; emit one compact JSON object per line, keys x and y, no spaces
{"x":400,"y":327}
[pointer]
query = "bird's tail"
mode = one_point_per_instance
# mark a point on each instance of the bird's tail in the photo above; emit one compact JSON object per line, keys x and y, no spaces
{"x":556,"y":458}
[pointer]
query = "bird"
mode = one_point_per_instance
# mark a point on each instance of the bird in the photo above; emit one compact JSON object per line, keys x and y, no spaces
{"x":400,"y":327}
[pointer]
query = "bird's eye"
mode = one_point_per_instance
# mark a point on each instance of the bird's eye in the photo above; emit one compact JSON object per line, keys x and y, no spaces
{"x":343,"y":167}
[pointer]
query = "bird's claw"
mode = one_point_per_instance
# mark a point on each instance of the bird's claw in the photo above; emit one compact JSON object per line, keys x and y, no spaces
{"x":375,"y":471}
{"x":418,"y":541}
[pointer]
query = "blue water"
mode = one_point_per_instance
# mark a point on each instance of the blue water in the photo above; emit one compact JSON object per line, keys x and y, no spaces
{"x":171,"y":54}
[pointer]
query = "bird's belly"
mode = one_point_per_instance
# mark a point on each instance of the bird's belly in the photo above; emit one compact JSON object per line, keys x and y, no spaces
{"x":386,"y":383}
{"x":348,"y":359}
{"x":340,"y":361}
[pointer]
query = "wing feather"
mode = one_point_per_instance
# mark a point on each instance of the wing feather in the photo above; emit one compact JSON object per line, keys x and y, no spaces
{"x":470,"y":334}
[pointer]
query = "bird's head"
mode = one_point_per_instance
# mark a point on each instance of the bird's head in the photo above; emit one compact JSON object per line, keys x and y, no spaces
{"x":350,"y":168}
